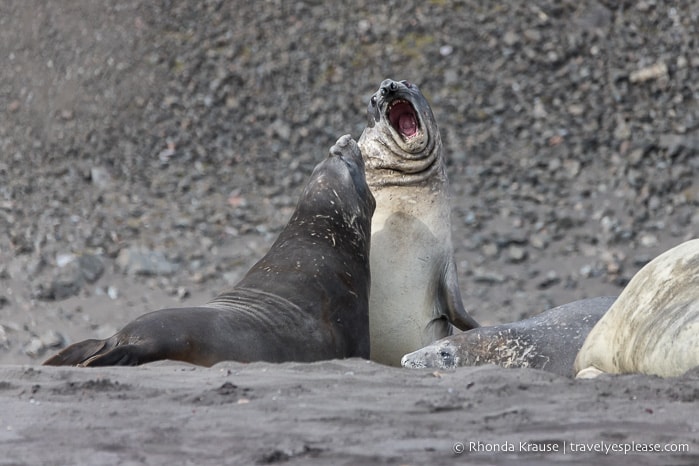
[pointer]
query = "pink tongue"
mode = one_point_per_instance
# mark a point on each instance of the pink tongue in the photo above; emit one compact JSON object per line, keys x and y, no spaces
{"x":407,"y":124}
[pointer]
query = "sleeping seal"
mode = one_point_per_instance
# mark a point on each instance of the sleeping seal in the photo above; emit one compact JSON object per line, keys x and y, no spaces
{"x":548,"y":341}
{"x":305,"y":300}
{"x":653,"y":328}
{"x":414,"y":290}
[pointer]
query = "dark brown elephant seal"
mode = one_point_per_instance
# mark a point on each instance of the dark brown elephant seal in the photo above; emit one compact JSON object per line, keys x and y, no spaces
{"x":306,"y":300}
{"x":414,"y":290}
{"x":548,"y":341}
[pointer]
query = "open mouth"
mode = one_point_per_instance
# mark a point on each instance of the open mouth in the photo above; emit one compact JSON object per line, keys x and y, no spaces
{"x":403,"y":118}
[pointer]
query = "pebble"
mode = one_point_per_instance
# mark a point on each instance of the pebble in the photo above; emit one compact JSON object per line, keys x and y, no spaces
{"x":516,"y":254}
{"x":34,"y":348}
{"x":551,"y":279}
{"x":487,"y":276}
{"x":648,"y":240}
{"x":141,"y":261}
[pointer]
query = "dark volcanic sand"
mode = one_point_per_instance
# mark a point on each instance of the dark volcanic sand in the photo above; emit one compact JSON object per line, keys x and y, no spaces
{"x":186,"y":130}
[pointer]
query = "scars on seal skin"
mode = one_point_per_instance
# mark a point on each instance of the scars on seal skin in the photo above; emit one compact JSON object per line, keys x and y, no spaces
{"x":414,"y":290}
{"x":305,"y":300}
{"x":548,"y":341}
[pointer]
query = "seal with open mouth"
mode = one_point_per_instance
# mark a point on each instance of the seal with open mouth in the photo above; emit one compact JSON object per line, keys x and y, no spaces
{"x":305,"y":300}
{"x":414,"y":290}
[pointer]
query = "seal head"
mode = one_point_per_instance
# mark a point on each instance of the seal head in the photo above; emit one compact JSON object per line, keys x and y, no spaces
{"x":409,"y":143}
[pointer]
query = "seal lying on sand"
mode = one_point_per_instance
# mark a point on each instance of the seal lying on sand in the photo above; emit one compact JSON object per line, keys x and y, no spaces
{"x":414,"y":290}
{"x":548,"y":341}
{"x":306,"y":300}
{"x":653,"y":328}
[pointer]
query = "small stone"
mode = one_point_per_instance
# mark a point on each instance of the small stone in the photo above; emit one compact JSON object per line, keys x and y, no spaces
{"x":182,"y":293}
{"x":52,"y":339}
{"x":446,"y":50}
{"x":66,"y":282}
{"x":576,"y":109}
{"x":655,"y":71}
{"x":34,"y":348}
{"x":516,"y":254}
{"x":100,"y":177}
{"x":490,"y":250}
{"x":551,"y":279}
{"x":586,"y":271}
{"x":112,"y":292}
{"x":489,"y":277}
{"x":539,"y":241}
{"x":510,"y":38}
{"x":140,"y":261}
{"x":91,"y":267}
{"x":648,"y":240}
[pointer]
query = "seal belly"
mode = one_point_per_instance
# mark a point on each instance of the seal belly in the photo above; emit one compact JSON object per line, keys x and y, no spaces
{"x":407,"y":254}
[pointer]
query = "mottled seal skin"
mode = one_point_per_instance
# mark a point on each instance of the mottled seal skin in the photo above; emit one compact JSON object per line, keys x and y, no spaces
{"x":414,"y":291}
{"x":305,"y":300}
{"x":653,"y":328}
{"x":548,"y":341}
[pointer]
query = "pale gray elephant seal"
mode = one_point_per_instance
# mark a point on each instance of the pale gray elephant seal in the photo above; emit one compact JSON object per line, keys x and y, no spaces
{"x":653,"y":328}
{"x":305,"y":300}
{"x":414,"y":290}
{"x":549,"y":341}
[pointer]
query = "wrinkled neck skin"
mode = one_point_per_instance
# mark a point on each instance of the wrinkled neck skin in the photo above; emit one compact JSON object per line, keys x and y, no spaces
{"x":391,"y":161}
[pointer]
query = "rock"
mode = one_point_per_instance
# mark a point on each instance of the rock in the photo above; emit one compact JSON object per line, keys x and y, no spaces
{"x":141,"y":261}
{"x":655,"y":71}
{"x":34,"y":348}
{"x":100,"y":177}
{"x":52,"y":339}
{"x":648,"y":240}
{"x":66,"y":282}
{"x":516,"y":254}
{"x":488,"y":277}
{"x":91,"y":267}
{"x":490,"y":250}
{"x":551,"y":279}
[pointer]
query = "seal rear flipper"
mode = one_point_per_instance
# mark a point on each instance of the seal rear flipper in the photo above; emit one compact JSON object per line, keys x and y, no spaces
{"x":77,"y":353}
{"x":450,"y":301}
{"x":123,"y":355}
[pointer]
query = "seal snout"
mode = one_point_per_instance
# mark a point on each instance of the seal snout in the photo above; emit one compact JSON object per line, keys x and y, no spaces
{"x":388,"y":86}
{"x":399,"y":110}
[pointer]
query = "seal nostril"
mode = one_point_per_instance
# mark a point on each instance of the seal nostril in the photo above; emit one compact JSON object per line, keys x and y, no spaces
{"x":393,"y":86}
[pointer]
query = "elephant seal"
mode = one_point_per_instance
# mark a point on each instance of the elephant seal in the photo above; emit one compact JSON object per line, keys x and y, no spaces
{"x":653,"y":328}
{"x":548,"y":341}
{"x":305,"y":300}
{"x":414,"y":290}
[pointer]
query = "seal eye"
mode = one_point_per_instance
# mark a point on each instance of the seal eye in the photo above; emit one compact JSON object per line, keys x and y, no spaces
{"x":373,"y":100}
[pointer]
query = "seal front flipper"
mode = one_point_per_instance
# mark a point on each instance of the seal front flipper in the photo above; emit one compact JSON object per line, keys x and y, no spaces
{"x":450,"y":301}
{"x":77,"y":353}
